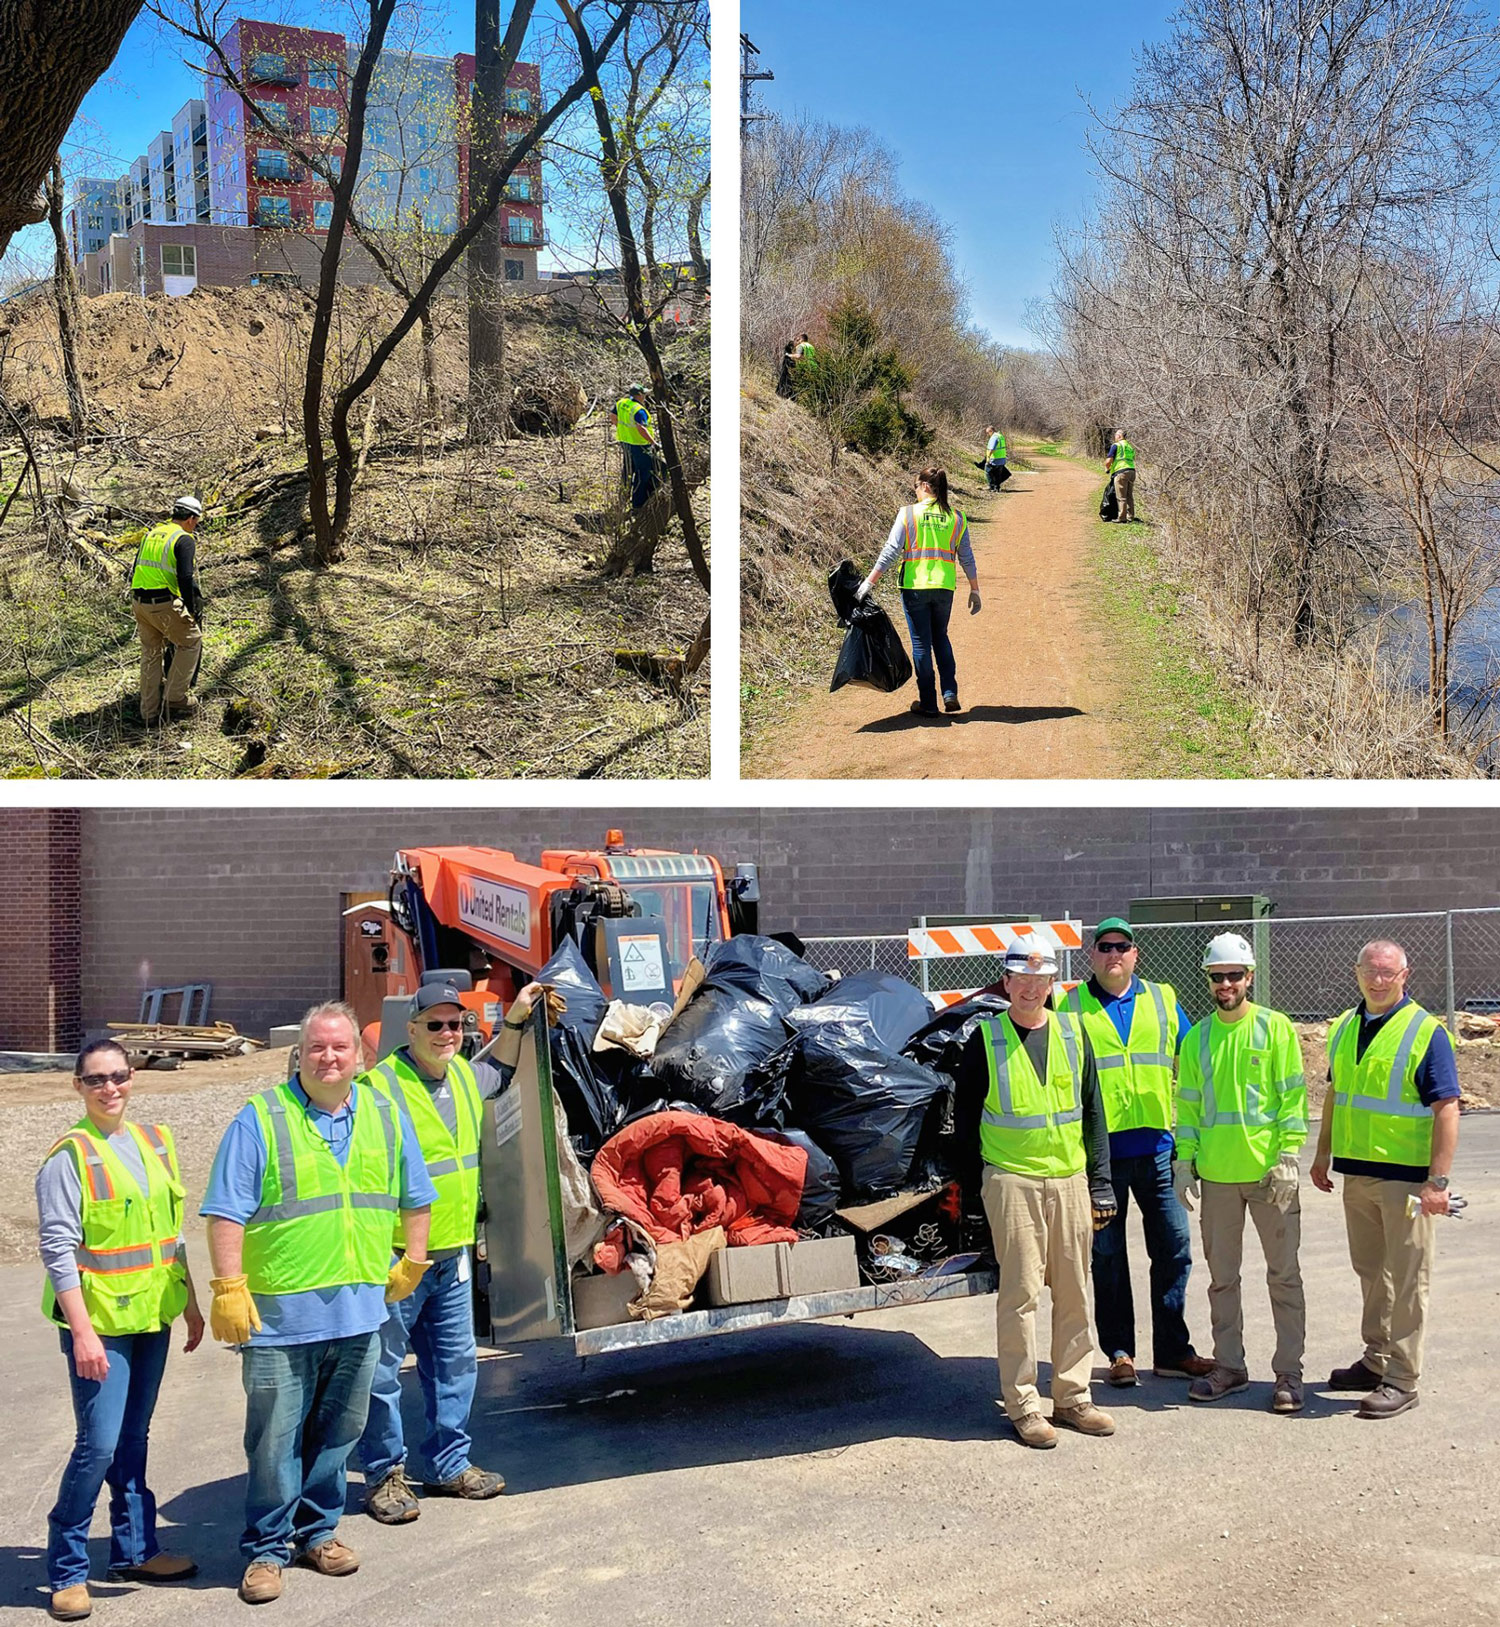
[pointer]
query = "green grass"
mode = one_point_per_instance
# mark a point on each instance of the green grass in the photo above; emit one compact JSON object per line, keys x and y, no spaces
{"x":1177,"y":719}
{"x":1049,"y":449}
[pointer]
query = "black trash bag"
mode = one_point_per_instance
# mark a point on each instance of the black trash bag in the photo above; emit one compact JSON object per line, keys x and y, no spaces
{"x":1002,"y":474}
{"x":586,"y":1091}
{"x":733,"y":1023}
{"x":872,"y":652}
{"x":852,"y":1090}
{"x":820,"y":1186}
{"x":940,"y":1042}
{"x":1109,"y":504}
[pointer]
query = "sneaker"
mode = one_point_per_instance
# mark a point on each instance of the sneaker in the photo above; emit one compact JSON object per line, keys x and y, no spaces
{"x":1122,"y":1373}
{"x":391,"y":1499}
{"x":1033,"y":1430}
{"x":1217,"y":1383}
{"x":261,"y":1582}
{"x":160,"y":1567}
{"x":951,"y":703}
{"x":1189,"y":1367}
{"x":1086,"y":1418}
{"x":1386,"y":1401}
{"x":1356,"y":1377}
{"x":71,"y":1603}
{"x":331,"y":1558}
{"x":1287,"y":1396}
{"x":473,"y":1483}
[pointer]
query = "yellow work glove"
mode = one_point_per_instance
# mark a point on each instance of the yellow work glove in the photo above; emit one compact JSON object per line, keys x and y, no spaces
{"x":403,"y":1278}
{"x":232,"y":1316}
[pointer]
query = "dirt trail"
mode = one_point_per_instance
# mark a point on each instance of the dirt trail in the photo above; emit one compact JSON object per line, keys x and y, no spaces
{"x":1025,"y":673}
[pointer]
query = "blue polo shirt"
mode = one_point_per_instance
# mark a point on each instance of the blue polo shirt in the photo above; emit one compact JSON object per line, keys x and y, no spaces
{"x":234,"y":1189}
{"x":1120,"y":1009}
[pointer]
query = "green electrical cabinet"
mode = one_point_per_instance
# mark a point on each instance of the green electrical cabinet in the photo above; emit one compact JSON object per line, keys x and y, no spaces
{"x":1201,"y":915}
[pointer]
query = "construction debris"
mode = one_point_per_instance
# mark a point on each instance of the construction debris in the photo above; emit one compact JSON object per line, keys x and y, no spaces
{"x":144,"y":1042}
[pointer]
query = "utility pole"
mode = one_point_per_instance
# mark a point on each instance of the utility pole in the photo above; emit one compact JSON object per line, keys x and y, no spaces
{"x":750,"y":74}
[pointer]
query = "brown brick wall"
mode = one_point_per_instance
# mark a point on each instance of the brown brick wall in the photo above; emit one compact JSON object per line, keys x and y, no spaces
{"x":250,"y":900}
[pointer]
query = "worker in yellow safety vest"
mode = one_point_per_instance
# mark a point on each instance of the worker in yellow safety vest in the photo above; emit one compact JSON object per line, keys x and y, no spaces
{"x":931,"y":538}
{"x":1119,"y":465}
{"x":996,"y":473}
{"x":1241,"y":1116}
{"x":307,"y":1184}
{"x":109,"y":1202}
{"x":168,"y":605}
{"x":636,"y":433}
{"x":1390,"y":1128}
{"x":1045,"y":1187}
{"x":807,"y":355}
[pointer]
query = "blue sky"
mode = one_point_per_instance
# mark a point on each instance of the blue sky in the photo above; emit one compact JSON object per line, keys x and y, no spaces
{"x":978,"y":101}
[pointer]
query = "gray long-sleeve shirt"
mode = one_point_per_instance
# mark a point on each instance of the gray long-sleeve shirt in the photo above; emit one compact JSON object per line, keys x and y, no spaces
{"x":895,"y":545}
{"x":59,"y":1206}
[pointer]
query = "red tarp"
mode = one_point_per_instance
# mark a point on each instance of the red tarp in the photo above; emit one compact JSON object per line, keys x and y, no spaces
{"x":678,"y":1173}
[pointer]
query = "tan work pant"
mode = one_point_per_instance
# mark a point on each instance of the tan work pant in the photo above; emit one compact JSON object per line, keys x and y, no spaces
{"x":1392,"y":1257}
{"x":160,"y":625}
{"x":1125,"y":493}
{"x":1224,"y":1207}
{"x":1044,"y":1233}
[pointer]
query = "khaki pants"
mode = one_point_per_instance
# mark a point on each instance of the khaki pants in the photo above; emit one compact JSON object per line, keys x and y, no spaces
{"x":1392,"y":1257}
{"x":1224,"y":1207}
{"x":160,"y":625}
{"x":1125,"y":493}
{"x":1043,"y":1232}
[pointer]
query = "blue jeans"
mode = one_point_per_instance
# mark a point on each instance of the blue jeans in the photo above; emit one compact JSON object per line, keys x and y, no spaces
{"x":1169,"y":1245}
{"x":927,"y":611}
{"x":114,"y":1418}
{"x":640,"y":468}
{"x":305,"y":1409}
{"x":437,"y":1322}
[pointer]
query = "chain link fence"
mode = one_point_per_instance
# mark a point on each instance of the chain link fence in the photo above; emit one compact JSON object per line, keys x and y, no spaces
{"x":1304,"y":965}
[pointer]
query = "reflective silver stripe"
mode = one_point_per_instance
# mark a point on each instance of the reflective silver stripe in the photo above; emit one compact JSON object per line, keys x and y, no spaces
{"x":281,"y":1135}
{"x":451,"y":1166}
{"x":387,"y":1123}
{"x":373,"y":1200}
{"x":296,"y":1208}
{"x":130,"y":1259}
{"x":1147,"y":1059}
{"x":470,"y":1094}
{"x":1103,"y":1062}
{"x":158,"y":1142}
{"x":1159,"y":1001}
{"x":1186,"y":1094}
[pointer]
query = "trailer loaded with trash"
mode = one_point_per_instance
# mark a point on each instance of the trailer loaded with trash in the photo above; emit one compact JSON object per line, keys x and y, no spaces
{"x":780,"y":1145}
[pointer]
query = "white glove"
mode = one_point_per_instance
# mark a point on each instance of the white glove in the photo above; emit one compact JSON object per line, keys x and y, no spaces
{"x":1281,"y":1181}
{"x":864,"y":590}
{"x":1184,"y":1181}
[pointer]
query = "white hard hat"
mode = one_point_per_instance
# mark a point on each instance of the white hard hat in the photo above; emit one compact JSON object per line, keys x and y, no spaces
{"x":187,"y":505}
{"x":1031,"y":956}
{"x":1229,"y":949}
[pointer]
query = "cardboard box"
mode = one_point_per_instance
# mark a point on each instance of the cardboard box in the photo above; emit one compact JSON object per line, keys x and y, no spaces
{"x":600,"y":1301}
{"x":817,"y":1265}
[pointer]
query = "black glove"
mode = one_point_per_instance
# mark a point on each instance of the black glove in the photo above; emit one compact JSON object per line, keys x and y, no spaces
{"x":1103,"y":1214}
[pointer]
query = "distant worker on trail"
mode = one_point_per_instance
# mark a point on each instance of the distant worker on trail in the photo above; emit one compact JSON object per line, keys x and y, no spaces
{"x":636,"y":433}
{"x":1390,"y":1128}
{"x":1120,"y":467}
{"x":995,"y":471}
{"x":807,"y":355}
{"x":932,"y":539}
{"x":1241,"y":1116}
{"x":168,"y":610}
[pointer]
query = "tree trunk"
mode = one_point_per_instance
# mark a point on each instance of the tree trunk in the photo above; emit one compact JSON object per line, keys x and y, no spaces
{"x":69,"y":317}
{"x":487,"y":251}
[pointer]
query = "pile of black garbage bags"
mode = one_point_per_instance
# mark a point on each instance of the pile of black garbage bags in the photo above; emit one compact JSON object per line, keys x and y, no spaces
{"x":856,"y":1070}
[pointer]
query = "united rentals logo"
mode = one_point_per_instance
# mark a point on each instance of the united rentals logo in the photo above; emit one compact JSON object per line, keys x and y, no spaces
{"x":495,"y":909}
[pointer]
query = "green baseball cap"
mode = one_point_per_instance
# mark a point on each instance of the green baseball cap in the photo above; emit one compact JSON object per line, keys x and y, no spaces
{"x":1114,"y":923}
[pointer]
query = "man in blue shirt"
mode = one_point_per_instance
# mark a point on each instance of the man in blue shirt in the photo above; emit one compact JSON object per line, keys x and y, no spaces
{"x":309,"y":1355}
{"x":1370,"y":1108}
{"x":1140,"y":1157}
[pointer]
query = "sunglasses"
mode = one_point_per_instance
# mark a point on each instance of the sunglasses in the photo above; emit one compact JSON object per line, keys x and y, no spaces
{"x":1114,"y":948}
{"x":1227,"y":977}
{"x":97,"y":1081}
{"x":438,"y":1024}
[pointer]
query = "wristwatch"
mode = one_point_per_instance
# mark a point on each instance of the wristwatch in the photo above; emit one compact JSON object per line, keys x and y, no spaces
{"x":1438,"y":1183}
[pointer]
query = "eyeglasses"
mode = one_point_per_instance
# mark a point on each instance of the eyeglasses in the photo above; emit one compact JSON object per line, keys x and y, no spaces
{"x":1114,"y":948}
{"x":97,"y":1081}
{"x":438,"y":1024}
{"x":1227,"y":977}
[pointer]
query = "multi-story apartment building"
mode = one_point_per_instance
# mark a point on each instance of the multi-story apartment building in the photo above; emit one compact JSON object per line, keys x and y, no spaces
{"x":161,"y":178}
{"x":190,"y":158}
{"x":93,"y":217}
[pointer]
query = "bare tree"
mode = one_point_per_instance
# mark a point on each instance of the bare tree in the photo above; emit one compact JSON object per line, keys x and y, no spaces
{"x":65,"y":296}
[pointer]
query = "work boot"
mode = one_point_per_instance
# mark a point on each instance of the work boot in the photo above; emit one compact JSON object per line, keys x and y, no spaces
{"x":1189,"y":1367}
{"x":160,"y":1567}
{"x":261,"y":1582}
{"x":1122,"y":1372}
{"x":1034,"y":1430}
{"x":331,"y":1558}
{"x":1086,"y":1418}
{"x":1386,"y":1401}
{"x":1357,"y":1377}
{"x":473,"y":1483}
{"x":390,"y":1500}
{"x":1217,"y":1383}
{"x":71,"y":1603}
{"x":951,"y":703}
{"x":1287,"y":1396}
{"x":924,"y":711}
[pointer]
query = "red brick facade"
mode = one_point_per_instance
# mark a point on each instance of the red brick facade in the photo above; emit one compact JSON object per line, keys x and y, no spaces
{"x":42,"y":937}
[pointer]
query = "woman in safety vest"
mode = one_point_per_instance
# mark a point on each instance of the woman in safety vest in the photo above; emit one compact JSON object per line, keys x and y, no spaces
{"x":933,"y":541}
{"x":109,"y":1201}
